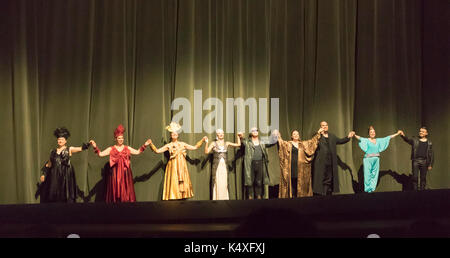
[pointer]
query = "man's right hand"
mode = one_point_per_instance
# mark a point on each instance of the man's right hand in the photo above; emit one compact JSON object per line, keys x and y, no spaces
{"x":42,"y":178}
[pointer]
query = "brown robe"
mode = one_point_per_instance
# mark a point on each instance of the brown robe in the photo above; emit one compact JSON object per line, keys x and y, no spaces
{"x":306,"y":151}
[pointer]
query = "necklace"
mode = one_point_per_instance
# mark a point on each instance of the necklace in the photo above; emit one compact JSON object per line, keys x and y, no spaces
{"x":60,"y":149}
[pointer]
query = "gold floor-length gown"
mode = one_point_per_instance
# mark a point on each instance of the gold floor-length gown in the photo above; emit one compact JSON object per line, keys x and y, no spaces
{"x":177,"y":183}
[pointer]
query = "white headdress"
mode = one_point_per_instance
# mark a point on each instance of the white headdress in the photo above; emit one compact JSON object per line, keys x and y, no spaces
{"x":174,"y":127}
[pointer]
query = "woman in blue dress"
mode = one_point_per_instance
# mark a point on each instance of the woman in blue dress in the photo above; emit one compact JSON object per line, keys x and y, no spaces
{"x":372,"y":147}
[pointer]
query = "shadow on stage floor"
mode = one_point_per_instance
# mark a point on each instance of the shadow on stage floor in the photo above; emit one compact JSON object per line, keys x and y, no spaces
{"x":387,"y":214}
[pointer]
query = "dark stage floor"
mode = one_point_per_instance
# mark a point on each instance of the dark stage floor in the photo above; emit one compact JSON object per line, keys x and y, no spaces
{"x":388,"y":214}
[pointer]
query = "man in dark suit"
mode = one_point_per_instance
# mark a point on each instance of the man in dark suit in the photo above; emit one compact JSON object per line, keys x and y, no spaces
{"x":421,"y":156}
{"x":325,"y":177}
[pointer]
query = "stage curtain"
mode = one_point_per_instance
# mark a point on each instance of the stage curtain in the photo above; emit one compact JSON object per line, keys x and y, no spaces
{"x":91,"y":65}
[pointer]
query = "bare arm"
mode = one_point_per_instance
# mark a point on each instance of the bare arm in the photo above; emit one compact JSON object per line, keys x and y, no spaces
{"x":278,"y":135}
{"x":241,"y":138}
{"x":134,"y":152}
{"x":208,"y":148}
{"x":396,"y":134}
{"x":98,"y":152}
{"x":141,"y":149}
{"x":73,"y":150}
{"x":357,"y":137}
{"x":105,"y":152}
{"x":237,"y":144}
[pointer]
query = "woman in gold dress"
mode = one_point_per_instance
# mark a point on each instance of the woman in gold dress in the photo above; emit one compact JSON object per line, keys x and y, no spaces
{"x":177,"y":183}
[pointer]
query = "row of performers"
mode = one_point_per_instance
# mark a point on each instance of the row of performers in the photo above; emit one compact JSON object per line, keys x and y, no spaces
{"x":296,"y":160}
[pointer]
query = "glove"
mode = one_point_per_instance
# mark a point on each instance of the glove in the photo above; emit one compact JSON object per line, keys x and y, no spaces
{"x":85,"y":146}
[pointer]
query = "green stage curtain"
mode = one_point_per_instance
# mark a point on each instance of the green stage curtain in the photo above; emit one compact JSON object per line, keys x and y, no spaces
{"x":91,"y":65}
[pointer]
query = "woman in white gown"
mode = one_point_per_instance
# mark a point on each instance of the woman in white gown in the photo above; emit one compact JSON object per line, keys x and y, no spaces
{"x":219,"y":171}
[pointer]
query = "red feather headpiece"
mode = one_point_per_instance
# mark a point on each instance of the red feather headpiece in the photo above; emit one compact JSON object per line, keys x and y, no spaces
{"x":119,"y":131}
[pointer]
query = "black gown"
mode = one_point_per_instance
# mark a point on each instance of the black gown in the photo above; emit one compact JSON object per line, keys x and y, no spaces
{"x":60,"y":184}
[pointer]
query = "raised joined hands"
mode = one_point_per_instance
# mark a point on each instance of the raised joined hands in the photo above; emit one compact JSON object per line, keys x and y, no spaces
{"x":92,"y":142}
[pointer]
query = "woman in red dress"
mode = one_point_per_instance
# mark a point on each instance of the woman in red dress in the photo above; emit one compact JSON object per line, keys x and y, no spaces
{"x":119,"y":181}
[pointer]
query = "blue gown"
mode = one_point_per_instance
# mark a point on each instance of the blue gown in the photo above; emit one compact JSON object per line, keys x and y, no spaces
{"x":371,"y":160}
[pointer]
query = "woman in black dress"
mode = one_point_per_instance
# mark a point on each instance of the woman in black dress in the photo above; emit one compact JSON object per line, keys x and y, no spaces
{"x":58,"y":172}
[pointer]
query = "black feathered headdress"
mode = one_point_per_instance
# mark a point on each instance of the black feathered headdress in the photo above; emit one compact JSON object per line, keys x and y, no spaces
{"x":61,"y":132}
